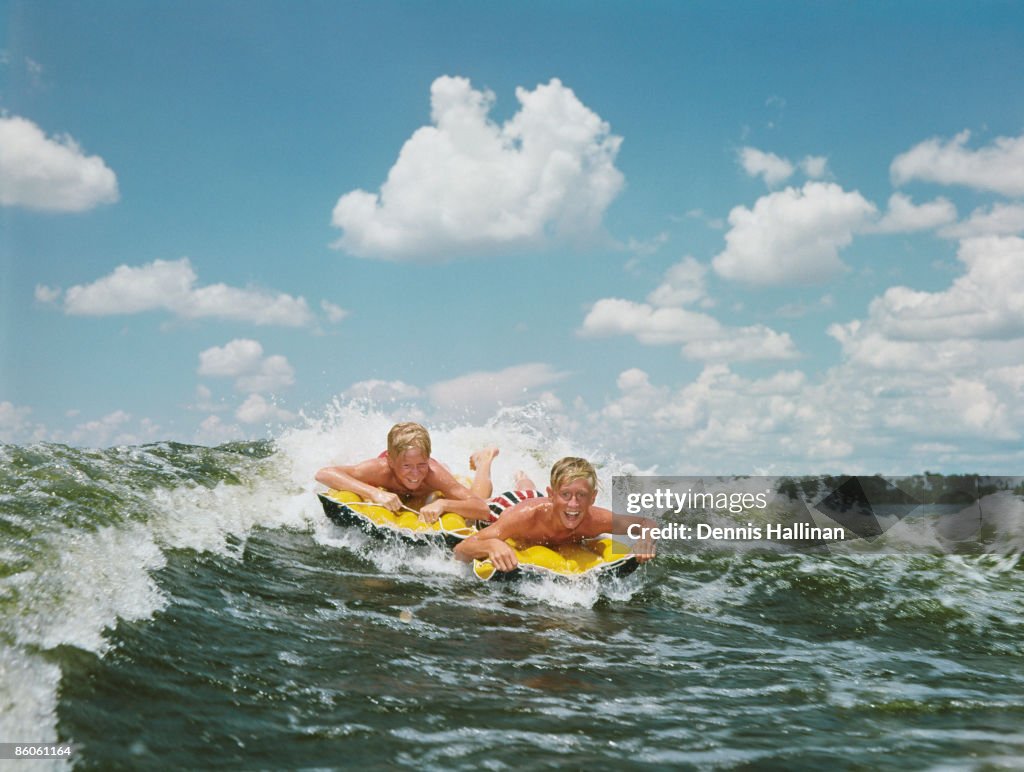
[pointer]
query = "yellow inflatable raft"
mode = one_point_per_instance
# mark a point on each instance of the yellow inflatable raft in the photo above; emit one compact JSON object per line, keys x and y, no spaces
{"x":568,"y":560}
{"x":348,"y":509}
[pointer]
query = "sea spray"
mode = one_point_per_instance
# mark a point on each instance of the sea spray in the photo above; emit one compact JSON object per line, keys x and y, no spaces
{"x":221,"y":619}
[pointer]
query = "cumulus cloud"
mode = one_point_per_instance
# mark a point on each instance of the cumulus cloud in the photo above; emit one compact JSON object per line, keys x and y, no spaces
{"x":334,"y":312}
{"x":904,"y":216}
{"x":50,"y":173}
{"x":465,"y":184}
{"x":792,"y":236}
{"x":703,"y":337}
{"x":118,"y":427}
{"x":382,"y":391}
{"x":814,"y":166}
{"x":743,"y":344}
{"x":215,"y":431}
{"x":649,"y":325}
{"x":944,"y":364}
{"x":170,"y":285}
{"x":705,"y":422}
{"x":683,"y":284}
{"x":998,"y":167}
{"x":770,"y":167}
{"x":256,"y":409}
{"x":243,"y":360}
{"x":925,"y":378}
{"x":482,"y":392}
{"x":998,"y":220}
{"x":16,"y":424}
{"x":663,"y":321}
{"x":986,"y":302}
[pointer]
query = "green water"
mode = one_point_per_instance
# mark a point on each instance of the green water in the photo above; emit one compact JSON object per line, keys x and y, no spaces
{"x":182,"y":607}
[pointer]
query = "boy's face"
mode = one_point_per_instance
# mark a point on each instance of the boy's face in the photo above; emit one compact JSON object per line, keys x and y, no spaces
{"x":572,"y":502}
{"x":411,"y":468}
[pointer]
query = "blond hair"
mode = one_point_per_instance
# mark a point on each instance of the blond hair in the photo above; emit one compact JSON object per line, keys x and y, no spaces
{"x":571,"y":468}
{"x":408,"y":436}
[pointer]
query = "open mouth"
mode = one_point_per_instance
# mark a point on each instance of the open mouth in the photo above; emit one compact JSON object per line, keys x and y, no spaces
{"x":572,"y":518}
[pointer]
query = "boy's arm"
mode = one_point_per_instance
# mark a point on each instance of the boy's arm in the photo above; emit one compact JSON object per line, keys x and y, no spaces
{"x":457,"y":498}
{"x":490,"y":544}
{"x":359,"y":479}
{"x":471,"y":509}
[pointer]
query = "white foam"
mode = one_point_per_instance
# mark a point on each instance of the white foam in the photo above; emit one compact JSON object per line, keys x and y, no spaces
{"x":28,"y":697}
{"x":98,"y":578}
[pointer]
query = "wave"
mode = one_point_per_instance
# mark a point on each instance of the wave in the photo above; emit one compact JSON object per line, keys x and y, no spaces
{"x":90,"y":539}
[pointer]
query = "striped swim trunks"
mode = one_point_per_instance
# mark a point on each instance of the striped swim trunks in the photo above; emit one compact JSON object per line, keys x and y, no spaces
{"x":503,"y":501}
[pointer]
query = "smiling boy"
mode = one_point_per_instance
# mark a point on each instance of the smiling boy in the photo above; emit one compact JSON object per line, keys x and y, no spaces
{"x":405,"y":476}
{"x":566,"y":515}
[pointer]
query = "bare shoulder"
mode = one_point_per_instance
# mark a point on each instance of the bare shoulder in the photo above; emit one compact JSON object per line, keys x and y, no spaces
{"x":372,"y":471}
{"x":600,"y":521}
{"x":439,"y":472}
{"x":516,"y":520}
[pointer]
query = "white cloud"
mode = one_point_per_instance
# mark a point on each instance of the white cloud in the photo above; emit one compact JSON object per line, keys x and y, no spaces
{"x":47,"y":295}
{"x":707,"y":421}
{"x":214,"y":431}
{"x":50,"y":173}
{"x":465,"y":184}
{"x":986,"y":302}
{"x":16,"y":425}
{"x":792,"y":236}
{"x":633,"y":407}
{"x":939,"y":365}
{"x":649,"y":325}
{"x":773,"y":169}
{"x":814,"y":166}
{"x":998,"y":220}
{"x":116,"y":428}
{"x":663,"y":321}
{"x":256,"y":409}
{"x":205,"y":402}
{"x":482,"y":392}
{"x":243,"y":360}
{"x":682,"y":285}
{"x":704,"y":338}
{"x":998,"y":167}
{"x":236,"y":358}
{"x":924,"y":373}
{"x":382,"y":391}
{"x":274,"y":373}
{"x":334,"y":312}
{"x":743,"y":344}
{"x":905,"y":217}
{"x":169,"y":285}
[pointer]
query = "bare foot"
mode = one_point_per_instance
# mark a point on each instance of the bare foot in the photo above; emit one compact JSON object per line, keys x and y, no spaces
{"x":484,"y":456}
{"x":523,"y":482}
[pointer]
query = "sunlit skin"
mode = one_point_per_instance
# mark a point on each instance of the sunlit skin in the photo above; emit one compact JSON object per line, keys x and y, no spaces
{"x":410,"y":480}
{"x":566,"y":515}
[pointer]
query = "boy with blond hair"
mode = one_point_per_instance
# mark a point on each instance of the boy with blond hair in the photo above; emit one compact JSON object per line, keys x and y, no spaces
{"x":406,"y":477}
{"x":567,"y":514}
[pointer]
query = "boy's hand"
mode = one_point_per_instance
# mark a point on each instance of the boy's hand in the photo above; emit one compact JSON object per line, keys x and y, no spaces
{"x":388,"y":500}
{"x":502,"y":556}
{"x":645,"y":547}
{"x":432,"y":512}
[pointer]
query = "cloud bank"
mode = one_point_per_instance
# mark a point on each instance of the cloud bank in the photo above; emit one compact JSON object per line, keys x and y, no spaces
{"x":170,"y":285}
{"x":466,"y":185}
{"x":998,"y":168}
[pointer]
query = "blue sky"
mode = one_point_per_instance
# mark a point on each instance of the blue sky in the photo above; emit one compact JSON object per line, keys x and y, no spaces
{"x":714,"y":237}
